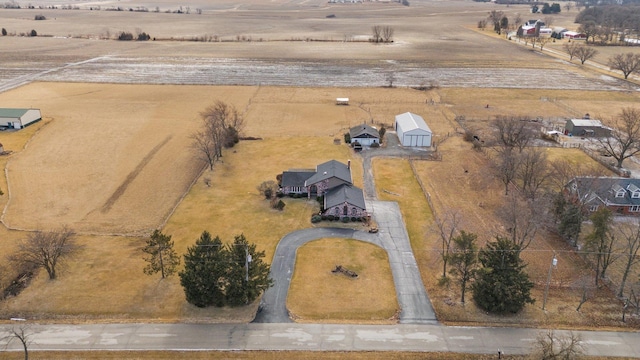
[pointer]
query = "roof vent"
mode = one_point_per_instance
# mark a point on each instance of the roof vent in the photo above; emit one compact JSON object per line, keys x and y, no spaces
{"x":325,"y":173}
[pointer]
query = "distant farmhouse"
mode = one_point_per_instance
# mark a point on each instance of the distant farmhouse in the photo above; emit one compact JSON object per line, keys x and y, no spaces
{"x":620,"y":195}
{"x":364,"y":135}
{"x":586,"y":127}
{"x":18,"y":118}
{"x":332,"y":180}
{"x":412,"y":130}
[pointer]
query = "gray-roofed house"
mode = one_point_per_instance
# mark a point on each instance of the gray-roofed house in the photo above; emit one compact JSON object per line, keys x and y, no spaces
{"x":586,"y":127}
{"x":345,"y":200}
{"x":412,"y":130}
{"x":18,"y":118}
{"x":364,"y":134}
{"x":293,"y":181}
{"x":328,"y":175}
{"x":620,"y":195}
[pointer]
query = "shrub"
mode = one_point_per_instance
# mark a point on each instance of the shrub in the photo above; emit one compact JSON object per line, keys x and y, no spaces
{"x":40,"y":17}
{"x":354,"y":219}
{"x":347,"y":138}
{"x":316,"y":219}
{"x":279,"y":205}
{"x":125,"y":36}
{"x":33,"y":33}
{"x":4,"y":32}
{"x":324,"y":217}
{"x":375,"y":145}
{"x":330,"y":217}
{"x":143,"y":37}
{"x":381,"y":132}
{"x":345,"y":219}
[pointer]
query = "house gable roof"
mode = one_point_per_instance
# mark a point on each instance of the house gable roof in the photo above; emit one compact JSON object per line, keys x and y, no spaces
{"x":344,"y":193}
{"x":364,"y":131}
{"x":606,"y":188}
{"x":328,"y":170}
{"x":410,"y":121}
{"x":296,"y":177}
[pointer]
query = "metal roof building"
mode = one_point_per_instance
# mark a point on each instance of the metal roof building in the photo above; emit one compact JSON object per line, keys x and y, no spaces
{"x":18,"y":118}
{"x":412,"y":130}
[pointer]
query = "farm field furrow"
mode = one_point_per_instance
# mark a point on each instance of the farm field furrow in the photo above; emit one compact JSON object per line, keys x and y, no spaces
{"x":201,"y":71}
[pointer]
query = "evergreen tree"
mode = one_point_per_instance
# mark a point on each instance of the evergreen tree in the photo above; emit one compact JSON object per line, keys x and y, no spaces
{"x":463,"y":259}
{"x":204,"y":274}
{"x":248,"y":275}
{"x":570,"y":224}
{"x":161,"y":256}
{"x":501,"y":286}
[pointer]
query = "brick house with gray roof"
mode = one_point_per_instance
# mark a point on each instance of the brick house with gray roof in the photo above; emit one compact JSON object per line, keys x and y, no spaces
{"x":620,"y":195}
{"x":345,"y":200}
{"x":332,"y":180}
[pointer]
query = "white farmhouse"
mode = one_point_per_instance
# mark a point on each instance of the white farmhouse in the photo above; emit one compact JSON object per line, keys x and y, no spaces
{"x":412,"y":130}
{"x":18,"y":118}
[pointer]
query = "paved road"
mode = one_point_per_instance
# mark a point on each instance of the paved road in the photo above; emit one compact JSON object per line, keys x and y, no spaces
{"x":309,"y":337}
{"x":412,"y":296}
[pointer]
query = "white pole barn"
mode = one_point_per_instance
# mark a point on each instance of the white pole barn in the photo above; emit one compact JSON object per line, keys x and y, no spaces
{"x":412,"y":130}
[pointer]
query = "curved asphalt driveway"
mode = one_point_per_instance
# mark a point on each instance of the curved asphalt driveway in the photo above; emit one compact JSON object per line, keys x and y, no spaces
{"x":412,"y":296}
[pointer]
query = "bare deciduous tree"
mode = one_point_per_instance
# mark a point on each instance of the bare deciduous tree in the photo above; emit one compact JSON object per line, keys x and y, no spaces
{"x":601,"y":242}
{"x":447,"y":228}
{"x":542,"y":41}
{"x":513,"y":132}
{"x":376,"y":33}
{"x":571,"y":49}
{"x":22,"y":334}
{"x":533,"y":171}
{"x":387,"y":34}
{"x":627,"y":63}
{"x":631,"y":237}
{"x":522,"y":219}
{"x":517,"y":20}
{"x":221,"y":127}
{"x":624,"y":141}
{"x":585,"y":53}
{"x":46,"y":249}
{"x":495,"y":16}
{"x":550,"y":346}
{"x":564,"y":170}
{"x":204,"y":144}
{"x":505,"y":166}
{"x":390,"y":77}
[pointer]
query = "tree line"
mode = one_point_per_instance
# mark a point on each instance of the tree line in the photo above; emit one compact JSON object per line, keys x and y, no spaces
{"x":214,"y":273}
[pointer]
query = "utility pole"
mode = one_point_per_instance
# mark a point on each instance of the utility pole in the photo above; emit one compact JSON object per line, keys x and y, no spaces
{"x":247,"y":261}
{"x":554,"y":262}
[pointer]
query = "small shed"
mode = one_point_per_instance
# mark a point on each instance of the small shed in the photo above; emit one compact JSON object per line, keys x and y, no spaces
{"x":18,"y":118}
{"x":364,"y":134}
{"x":412,"y":130}
{"x":586,"y":128}
{"x":342,"y":101}
{"x":574,"y":35}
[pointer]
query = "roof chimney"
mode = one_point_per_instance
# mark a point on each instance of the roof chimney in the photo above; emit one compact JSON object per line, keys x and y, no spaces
{"x":348,"y":164}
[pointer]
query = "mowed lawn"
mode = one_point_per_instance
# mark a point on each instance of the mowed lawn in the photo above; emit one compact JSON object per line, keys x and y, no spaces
{"x":319,"y":295}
